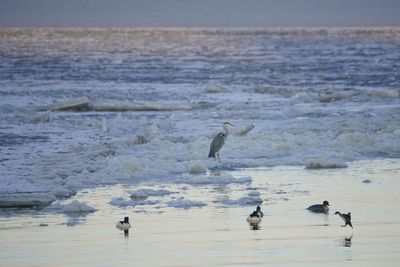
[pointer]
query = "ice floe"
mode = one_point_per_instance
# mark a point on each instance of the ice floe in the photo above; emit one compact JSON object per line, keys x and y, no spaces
{"x":74,"y":206}
{"x":185,"y":203}
{"x":25,"y":200}
{"x":145,"y":193}
{"x":213,"y":179}
{"x":336,"y":95}
{"x":197,"y":167}
{"x":213,"y":89}
{"x":122,"y":202}
{"x":251,"y":198}
{"x":324,"y":164}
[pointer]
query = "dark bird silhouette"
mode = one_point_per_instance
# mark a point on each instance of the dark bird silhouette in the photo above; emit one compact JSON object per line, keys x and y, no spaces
{"x":219,"y":141}
{"x":346,"y":218}
{"x":320,"y":208}
{"x":255,"y":216}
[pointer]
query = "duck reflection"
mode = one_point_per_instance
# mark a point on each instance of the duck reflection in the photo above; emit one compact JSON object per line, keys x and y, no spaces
{"x":254,"y":226}
{"x":346,"y":241}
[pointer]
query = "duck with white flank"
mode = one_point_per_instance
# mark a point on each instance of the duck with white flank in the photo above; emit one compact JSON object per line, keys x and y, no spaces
{"x":124,"y":225}
{"x":255,"y":216}
{"x":346,"y":218}
{"x":320,"y":208}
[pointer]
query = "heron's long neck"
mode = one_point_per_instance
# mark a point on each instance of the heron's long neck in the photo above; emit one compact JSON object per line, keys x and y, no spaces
{"x":226,"y":131}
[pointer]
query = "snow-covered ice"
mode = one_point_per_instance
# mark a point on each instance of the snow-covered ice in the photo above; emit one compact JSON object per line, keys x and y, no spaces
{"x":148,"y":115}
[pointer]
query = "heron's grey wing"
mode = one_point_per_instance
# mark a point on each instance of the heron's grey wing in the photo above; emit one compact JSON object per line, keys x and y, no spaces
{"x":217,"y":143}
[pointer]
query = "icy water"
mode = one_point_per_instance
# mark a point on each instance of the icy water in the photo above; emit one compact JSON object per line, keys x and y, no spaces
{"x":97,"y":114}
{"x":218,"y":235}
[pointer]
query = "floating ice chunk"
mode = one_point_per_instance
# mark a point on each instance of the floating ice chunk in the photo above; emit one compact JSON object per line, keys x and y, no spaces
{"x":43,"y":117}
{"x":252,"y":198}
{"x":72,"y":105}
{"x":185,"y":203}
{"x":330,"y":96}
{"x":197,"y":167}
{"x":253,"y":193}
{"x":249,"y":200}
{"x":324,"y":164}
{"x":74,"y":206}
{"x":121,"y":202}
{"x":354,"y":138}
{"x":271,"y":90}
{"x":145,"y":193}
{"x":62,"y":192}
{"x":213,"y":89}
{"x":130,"y":106}
{"x":385,"y":93}
{"x":240,"y":131}
{"x":214,"y":179}
{"x":26,"y":200}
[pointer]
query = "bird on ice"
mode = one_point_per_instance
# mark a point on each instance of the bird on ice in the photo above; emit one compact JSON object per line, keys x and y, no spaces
{"x":219,"y":141}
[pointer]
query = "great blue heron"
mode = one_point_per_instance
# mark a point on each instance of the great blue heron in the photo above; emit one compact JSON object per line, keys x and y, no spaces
{"x":219,"y":141}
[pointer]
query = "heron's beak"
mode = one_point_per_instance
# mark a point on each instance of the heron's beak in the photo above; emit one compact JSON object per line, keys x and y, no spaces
{"x":230,"y":124}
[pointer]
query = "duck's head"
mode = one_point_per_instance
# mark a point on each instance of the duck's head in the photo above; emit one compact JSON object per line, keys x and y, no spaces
{"x":258,"y":208}
{"x":325,"y":203}
{"x":337,"y":213}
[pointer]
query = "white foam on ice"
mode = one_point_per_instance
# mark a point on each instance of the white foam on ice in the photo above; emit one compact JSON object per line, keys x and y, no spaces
{"x":160,"y":139}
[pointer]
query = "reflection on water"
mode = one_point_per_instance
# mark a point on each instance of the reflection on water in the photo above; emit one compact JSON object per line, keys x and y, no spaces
{"x":126,"y":232}
{"x":254,"y":226}
{"x":346,"y":241}
{"x":219,"y":235}
{"x":76,"y":218}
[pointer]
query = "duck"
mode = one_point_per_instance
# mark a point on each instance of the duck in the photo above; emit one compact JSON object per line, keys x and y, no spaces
{"x":346,"y":218}
{"x":320,"y":208}
{"x":124,"y":225}
{"x":255,"y":216}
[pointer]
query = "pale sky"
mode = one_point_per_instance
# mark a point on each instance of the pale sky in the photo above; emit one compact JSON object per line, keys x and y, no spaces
{"x":199,"y":13}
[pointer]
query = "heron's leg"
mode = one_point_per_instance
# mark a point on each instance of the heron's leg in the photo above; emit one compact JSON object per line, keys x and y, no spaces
{"x":218,"y":157}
